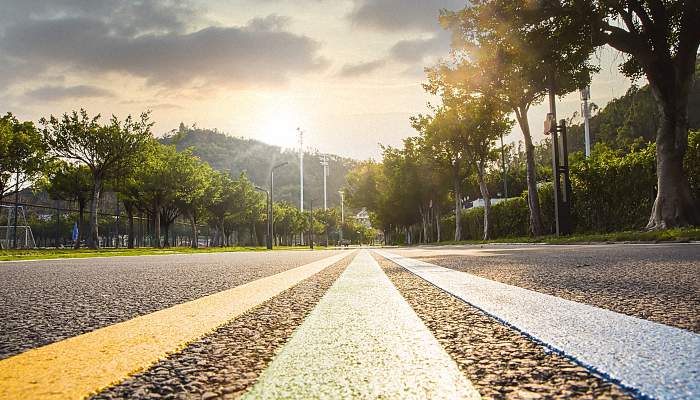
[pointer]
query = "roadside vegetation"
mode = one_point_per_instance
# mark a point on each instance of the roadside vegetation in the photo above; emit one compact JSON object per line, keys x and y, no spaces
{"x":507,"y":56}
{"x":40,"y":254}
{"x":84,"y":161}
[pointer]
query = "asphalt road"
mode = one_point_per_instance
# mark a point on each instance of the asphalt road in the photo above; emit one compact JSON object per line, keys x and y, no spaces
{"x":46,"y":301}
{"x":42,"y":302}
{"x":660,"y":282}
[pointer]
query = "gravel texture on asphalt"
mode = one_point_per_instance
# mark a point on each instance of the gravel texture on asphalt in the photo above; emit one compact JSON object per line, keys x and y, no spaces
{"x":43,"y":302}
{"x":499,"y":361}
{"x":660,"y":283}
{"x":225,"y":363}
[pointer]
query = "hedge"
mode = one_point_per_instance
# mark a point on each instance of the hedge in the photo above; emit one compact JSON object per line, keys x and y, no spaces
{"x":611,"y":192}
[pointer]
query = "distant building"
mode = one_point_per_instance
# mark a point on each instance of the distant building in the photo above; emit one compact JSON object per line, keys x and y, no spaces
{"x":480,"y":202}
{"x":363,"y":217}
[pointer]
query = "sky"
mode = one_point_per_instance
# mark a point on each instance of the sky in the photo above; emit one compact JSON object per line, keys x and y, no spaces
{"x":347,"y":72}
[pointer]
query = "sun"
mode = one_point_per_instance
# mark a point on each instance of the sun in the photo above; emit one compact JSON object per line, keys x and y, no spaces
{"x":278,"y":124}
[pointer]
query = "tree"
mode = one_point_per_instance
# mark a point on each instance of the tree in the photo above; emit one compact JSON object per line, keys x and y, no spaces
{"x":195,"y":192}
{"x":444,"y":141}
{"x":70,"y":182}
{"x":497,"y":53}
{"x":660,"y":40}
{"x":22,"y":154}
{"x":484,"y":121}
{"x":158,"y":182}
{"x":102,"y":148}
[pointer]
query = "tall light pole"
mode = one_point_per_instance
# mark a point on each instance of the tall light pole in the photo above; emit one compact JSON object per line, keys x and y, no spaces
{"x":505,"y":172}
{"x":342,"y":214}
{"x":301,"y":169}
{"x":301,"y":174}
{"x":268,"y":235}
{"x":324,"y":163}
{"x":272,"y":192}
{"x":585,"y":96}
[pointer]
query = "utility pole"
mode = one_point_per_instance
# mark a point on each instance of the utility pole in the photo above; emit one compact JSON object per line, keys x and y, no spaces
{"x":301,"y":169}
{"x":505,"y":172}
{"x":585,"y":96}
{"x":342,"y":214}
{"x":301,"y":174}
{"x":324,"y":163}
{"x":311,"y":225}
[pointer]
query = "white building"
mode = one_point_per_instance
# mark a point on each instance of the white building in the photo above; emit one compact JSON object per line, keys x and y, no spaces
{"x":481,"y":203}
{"x":363,"y":218}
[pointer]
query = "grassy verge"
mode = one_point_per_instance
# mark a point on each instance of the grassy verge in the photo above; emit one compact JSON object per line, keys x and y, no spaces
{"x":668,"y":235}
{"x":34,"y":254}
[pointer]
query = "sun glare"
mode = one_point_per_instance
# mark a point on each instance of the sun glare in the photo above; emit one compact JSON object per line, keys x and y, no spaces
{"x":278,"y":124}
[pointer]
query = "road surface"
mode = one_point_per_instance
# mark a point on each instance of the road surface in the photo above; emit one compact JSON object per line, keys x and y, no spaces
{"x":510,"y":321}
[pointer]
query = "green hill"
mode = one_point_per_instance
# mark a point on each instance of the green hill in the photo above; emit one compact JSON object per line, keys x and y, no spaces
{"x":236,"y":155}
{"x":625,"y":119}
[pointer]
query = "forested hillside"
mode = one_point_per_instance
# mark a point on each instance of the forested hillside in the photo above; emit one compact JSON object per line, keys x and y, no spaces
{"x":623,"y":120}
{"x":235,"y":155}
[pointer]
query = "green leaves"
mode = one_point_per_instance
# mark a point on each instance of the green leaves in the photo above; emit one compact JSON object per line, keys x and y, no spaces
{"x":22,"y":152}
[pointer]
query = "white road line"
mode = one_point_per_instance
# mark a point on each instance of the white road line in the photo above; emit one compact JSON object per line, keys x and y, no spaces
{"x":655,"y":360}
{"x":362,"y":340}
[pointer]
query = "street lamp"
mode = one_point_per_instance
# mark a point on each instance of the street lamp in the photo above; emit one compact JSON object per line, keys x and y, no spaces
{"x":342,"y":215}
{"x":268,"y":236}
{"x":272,"y":193}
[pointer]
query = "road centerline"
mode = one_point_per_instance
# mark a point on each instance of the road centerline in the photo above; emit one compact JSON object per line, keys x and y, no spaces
{"x":654,"y":360}
{"x":78,"y":366}
{"x":362,"y":340}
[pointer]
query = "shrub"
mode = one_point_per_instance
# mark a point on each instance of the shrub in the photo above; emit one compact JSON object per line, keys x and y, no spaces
{"x":611,"y":192}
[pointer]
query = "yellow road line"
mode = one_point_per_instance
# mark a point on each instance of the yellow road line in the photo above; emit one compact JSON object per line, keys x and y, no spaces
{"x":76,"y":367}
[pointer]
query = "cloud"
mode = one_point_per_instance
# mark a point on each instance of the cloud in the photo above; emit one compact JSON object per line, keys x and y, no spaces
{"x":354,"y":70}
{"x":417,"y":50}
{"x":401,"y":15}
{"x":104,"y":37}
{"x":53,"y":93}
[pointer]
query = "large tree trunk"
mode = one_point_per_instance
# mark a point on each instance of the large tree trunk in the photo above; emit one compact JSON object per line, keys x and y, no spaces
{"x":156,"y":224}
{"x":223,"y":235}
{"x":487,"y":201}
{"x":130,"y":215}
{"x":533,"y":201}
{"x":674,"y":205}
{"x":424,"y":225}
{"x":195,"y":234}
{"x":437,"y":223}
{"x":94,"y":236}
{"x":166,"y":236}
{"x":458,"y":208}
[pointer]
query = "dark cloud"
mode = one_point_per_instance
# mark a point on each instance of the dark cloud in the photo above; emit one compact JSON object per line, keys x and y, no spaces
{"x":401,"y":15}
{"x":124,"y":17}
{"x":417,"y":50}
{"x":52,"y":93}
{"x":353,"y":70}
{"x":105,"y":36}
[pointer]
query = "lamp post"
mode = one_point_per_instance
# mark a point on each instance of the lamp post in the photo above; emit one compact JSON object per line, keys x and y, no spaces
{"x":272,"y":193}
{"x":342,"y":214}
{"x":268,"y":236}
{"x":324,"y":163}
{"x":311,"y":224}
{"x":585,"y":96}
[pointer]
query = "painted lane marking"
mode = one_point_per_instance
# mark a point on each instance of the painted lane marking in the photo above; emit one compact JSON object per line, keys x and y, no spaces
{"x":362,"y":340}
{"x":76,"y":367}
{"x":652,"y":359}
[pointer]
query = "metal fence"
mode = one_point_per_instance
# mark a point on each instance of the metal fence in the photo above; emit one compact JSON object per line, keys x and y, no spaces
{"x":34,"y":220}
